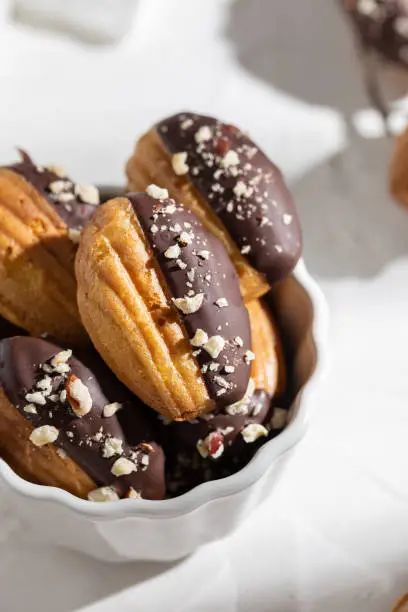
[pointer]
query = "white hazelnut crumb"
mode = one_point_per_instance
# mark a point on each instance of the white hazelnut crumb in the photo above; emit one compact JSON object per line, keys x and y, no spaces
{"x":181,"y":264}
{"x":61,"y":453}
{"x":186,"y":238}
{"x":74,"y":235}
{"x":111,"y":447}
{"x":249,"y":356}
{"x":246,"y":249}
{"x":230,"y":159}
{"x":212,"y":445}
{"x":242,"y":190}
{"x":279,"y":418}
{"x":61,"y":357}
{"x":89,"y":194}
{"x":188,"y":305}
{"x":46,"y":434}
{"x":239,"y":341}
{"x":253,"y":431}
{"x":214,"y":346}
{"x":111,"y":409}
{"x":63,"y":396}
{"x":30,"y":408}
{"x":203,"y":254}
{"x":228,"y":369}
{"x":287,"y":219}
{"x":154,"y":229}
{"x":123,"y":467}
{"x":203,"y":134}
{"x":36,"y":398}
{"x":58,"y":170}
{"x":221,"y":302}
{"x":172,"y":252}
{"x":200,"y":338}
{"x":178,"y":161}
{"x":157,"y":192}
{"x":186,"y":124}
{"x":58,"y":187}
{"x":78,"y":396}
{"x":133,"y":494}
{"x":103,"y":494}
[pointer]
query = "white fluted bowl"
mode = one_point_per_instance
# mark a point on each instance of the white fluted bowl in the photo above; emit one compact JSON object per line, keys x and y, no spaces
{"x":170,"y":529}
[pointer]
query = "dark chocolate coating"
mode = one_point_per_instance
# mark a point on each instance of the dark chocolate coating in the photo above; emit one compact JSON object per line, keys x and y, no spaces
{"x":21,"y":361}
{"x":264,"y":220}
{"x":189,"y":432}
{"x":229,"y":322}
{"x":381,"y":25}
{"x":74,"y":213}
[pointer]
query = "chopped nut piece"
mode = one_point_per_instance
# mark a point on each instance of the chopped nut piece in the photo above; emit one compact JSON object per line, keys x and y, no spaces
{"x":123,"y":467}
{"x":157,"y":192}
{"x":203,"y":134}
{"x":112,"y":446}
{"x":214,"y":346}
{"x":203,"y":254}
{"x":188,"y":305}
{"x":222,"y":382}
{"x":212,"y":445}
{"x":199,"y":338}
{"x":36,"y":398}
{"x":239,"y":341}
{"x":64,"y":198}
{"x":78,"y":396}
{"x":172,"y":252}
{"x":103,"y":494}
{"x":241,"y":406}
{"x":58,"y":187}
{"x":154,"y":229}
{"x":186,"y":238}
{"x":110,"y":409}
{"x":63,"y":396}
{"x":61,"y":453}
{"x":228,"y":369}
{"x":30,"y":408}
{"x":279,"y":418}
{"x":186,"y":124}
{"x":242,"y":190}
{"x":191,"y":274}
{"x":133,"y":494}
{"x":45,"y":385}
{"x":214,"y":366}
{"x":221,"y":302}
{"x":253,"y":431}
{"x":88,"y":194}
{"x":58,"y":170}
{"x":249,"y":356}
{"x":230,"y":159}
{"x":181,"y":264}
{"x":46,"y":434}
{"x":246,"y":249}
{"x":287,"y":219}
{"x":74,"y":235}
{"x":61,"y":357}
{"x":178,"y":161}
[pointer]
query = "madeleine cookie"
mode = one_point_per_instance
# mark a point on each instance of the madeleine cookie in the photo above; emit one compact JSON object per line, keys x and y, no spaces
{"x":398,"y":176}
{"x":234,"y":189}
{"x":58,"y":428}
{"x":160,"y":300}
{"x":42,"y":213}
{"x":214,"y":435}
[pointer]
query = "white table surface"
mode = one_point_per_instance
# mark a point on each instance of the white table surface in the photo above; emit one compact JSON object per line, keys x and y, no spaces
{"x":334,"y":535}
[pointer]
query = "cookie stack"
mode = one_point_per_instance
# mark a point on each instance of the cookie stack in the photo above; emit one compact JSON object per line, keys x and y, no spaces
{"x":168,"y":285}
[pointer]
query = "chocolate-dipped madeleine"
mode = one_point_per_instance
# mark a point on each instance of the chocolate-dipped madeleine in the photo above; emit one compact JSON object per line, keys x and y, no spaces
{"x":42,"y":213}
{"x":161,"y":302}
{"x":229,"y":183}
{"x":214,"y":435}
{"x":381,"y":26}
{"x":59,"y":428}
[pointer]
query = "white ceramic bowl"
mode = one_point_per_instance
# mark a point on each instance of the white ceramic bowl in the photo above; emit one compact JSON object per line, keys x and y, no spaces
{"x":171,"y":529}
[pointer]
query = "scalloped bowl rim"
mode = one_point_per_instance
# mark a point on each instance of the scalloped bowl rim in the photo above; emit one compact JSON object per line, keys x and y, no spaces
{"x":215,"y":489}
